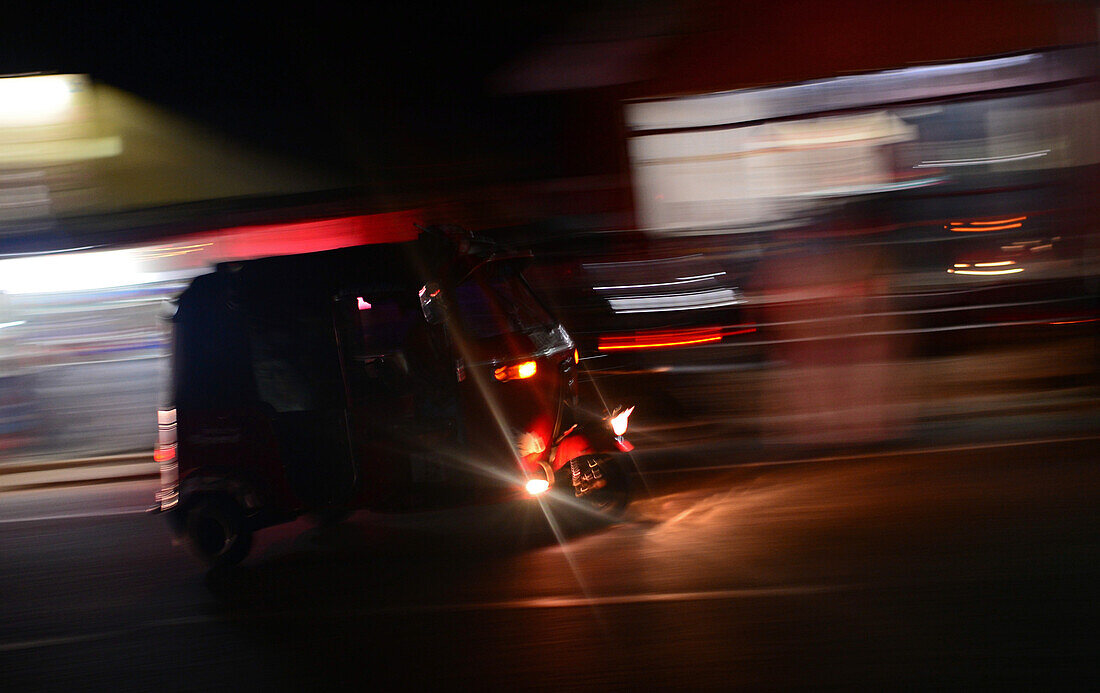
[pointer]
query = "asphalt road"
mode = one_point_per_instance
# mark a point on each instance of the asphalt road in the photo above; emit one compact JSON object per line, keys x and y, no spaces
{"x":962,"y":567}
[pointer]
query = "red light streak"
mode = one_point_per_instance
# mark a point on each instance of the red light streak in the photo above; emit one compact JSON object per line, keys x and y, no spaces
{"x":666,"y":338}
{"x":986,"y":228}
{"x":307,"y":236}
{"x":989,"y":225}
{"x":998,"y":221}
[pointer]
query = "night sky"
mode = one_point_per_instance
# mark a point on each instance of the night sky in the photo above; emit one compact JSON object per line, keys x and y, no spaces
{"x":367,"y":88}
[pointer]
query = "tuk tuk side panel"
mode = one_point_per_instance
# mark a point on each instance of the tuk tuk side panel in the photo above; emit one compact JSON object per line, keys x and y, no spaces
{"x":226,"y":435}
{"x":294,"y":361}
{"x":403,"y":411}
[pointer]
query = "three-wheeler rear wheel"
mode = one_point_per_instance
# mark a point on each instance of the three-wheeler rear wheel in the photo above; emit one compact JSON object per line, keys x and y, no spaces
{"x":217,"y":530}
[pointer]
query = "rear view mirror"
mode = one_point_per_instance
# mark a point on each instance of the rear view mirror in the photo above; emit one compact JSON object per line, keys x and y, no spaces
{"x":430,"y":304}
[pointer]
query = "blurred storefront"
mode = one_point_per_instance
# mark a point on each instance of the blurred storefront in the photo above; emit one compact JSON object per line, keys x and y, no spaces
{"x":733,"y":115}
{"x":108,"y":206}
{"x":883,"y":179}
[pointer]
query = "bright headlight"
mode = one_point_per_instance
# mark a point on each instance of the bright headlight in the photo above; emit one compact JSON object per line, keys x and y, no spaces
{"x":537,"y":486}
{"x":620,"y":421}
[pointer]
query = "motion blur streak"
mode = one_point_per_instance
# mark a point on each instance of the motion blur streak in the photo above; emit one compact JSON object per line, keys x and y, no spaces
{"x":985,"y":228}
{"x":656,"y":340}
{"x":674,"y":302}
{"x":981,"y":162}
{"x":72,"y":272}
{"x":980,"y":273}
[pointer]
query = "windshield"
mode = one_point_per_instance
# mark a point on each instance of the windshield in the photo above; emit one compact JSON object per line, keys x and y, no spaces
{"x":495,"y":300}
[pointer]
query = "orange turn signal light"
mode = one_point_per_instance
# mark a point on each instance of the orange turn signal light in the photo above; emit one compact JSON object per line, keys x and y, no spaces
{"x":519,"y":371}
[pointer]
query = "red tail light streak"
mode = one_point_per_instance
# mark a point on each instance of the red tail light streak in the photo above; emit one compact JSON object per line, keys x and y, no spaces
{"x":981,"y":226}
{"x":663,"y":339}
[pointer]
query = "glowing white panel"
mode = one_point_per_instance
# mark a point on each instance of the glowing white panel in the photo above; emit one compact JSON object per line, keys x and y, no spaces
{"x":37,"y":99}
{"x":763,"y":173}
{"x":73,"y":272}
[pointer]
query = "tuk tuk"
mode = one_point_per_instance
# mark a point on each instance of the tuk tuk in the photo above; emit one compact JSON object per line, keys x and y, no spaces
{"x":392,"y":377}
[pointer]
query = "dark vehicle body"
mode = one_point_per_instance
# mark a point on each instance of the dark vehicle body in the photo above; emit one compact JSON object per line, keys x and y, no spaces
{"x":391,"y":377}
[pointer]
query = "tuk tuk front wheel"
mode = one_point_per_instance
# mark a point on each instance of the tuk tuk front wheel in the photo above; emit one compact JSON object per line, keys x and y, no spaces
{"x":218,"y":532}
{"x":613,"y":494}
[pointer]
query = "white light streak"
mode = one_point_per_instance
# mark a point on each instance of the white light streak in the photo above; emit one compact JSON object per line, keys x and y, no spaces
{"x":984,"y":161}
{"x":984,"y":273}
{"x":678,"y":281}
{"x":703,"y":276}
{"x":659,"y":304}
{"x":641,"y":264}
{"x":72,"y":272}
